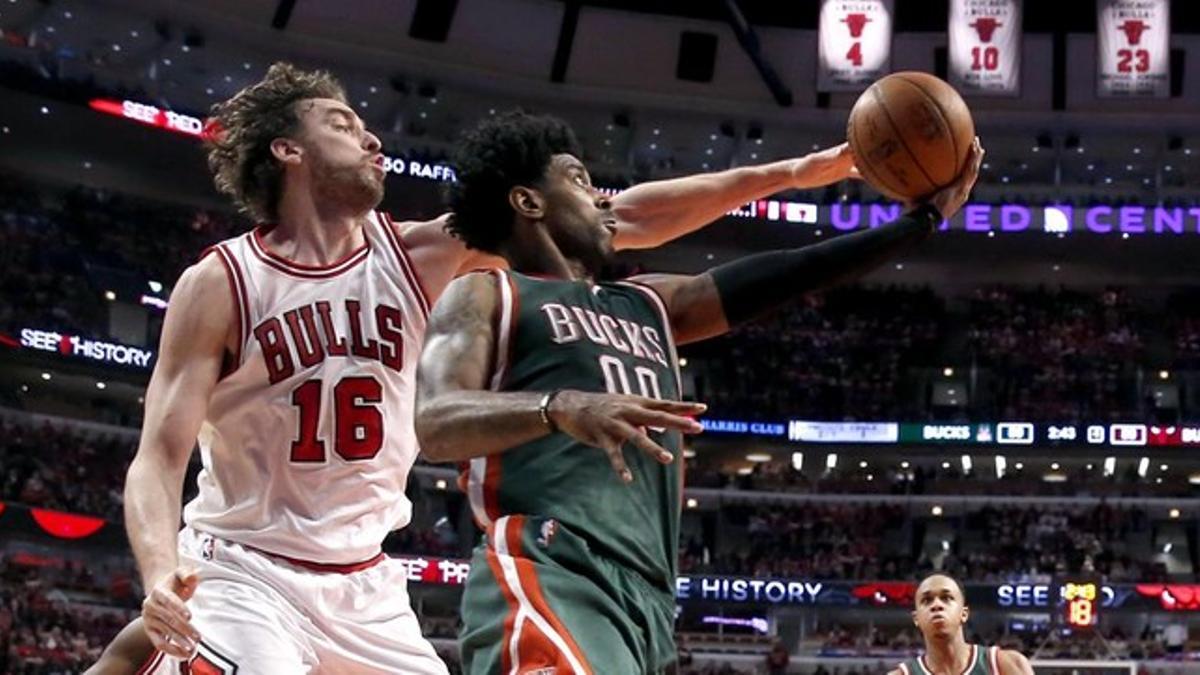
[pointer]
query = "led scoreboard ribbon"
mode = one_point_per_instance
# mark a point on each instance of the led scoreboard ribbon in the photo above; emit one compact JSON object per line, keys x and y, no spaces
{"x":1080,"y":604}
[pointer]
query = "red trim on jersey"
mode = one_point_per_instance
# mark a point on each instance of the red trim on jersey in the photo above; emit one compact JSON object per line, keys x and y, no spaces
{"x":296,"y":269}
{"x":970,"y":661}
{"x":324,"y":567}
{"x":406,"y":263}
{"x":491,"y":488}
{"x":150,"y":663}
{"x":510,"y":618}
{"x":527,"y":573}
{"x":239,"y":307}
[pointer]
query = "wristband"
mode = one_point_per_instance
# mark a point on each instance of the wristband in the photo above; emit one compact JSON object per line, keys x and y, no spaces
{"x":544,"y":410}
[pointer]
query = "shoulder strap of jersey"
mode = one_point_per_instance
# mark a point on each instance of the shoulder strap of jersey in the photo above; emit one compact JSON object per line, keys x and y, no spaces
{"x":505,"y":324}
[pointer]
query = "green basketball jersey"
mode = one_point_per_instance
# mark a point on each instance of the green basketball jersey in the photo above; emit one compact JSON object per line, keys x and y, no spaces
{"x":983,"y":662}
{"x":607,"y":337}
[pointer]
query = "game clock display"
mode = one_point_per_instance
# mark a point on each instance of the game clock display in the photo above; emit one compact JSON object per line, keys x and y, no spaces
{"x":1080,"y":607}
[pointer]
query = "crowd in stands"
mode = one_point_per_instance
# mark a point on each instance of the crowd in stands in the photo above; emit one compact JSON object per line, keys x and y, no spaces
{"x":58,"y":618}
{"x":57,"y":467}
{"x":851,"y":353}
{"x":1038,"y":354}
{"x":65,"y":468}
{"x":841,"y":355}
{"x":898,"y":642}
{"x":779,"y":476}
{"x":887,"y":541}
{"x":1057,"y":355}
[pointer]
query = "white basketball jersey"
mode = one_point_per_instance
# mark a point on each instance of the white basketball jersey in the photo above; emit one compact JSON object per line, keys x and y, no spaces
{"x":309,"y":436}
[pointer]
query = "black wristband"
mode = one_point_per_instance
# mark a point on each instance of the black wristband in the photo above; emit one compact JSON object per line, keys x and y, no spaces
{"x":544,"y":410}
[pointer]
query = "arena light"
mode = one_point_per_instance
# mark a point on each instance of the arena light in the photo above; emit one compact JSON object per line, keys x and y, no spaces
{"x":1143,"y":466}
{"x":798,"y":461}
{"x":692,"y":503}
{"x":1110,"y":466}
{"x":966,"y":463}
{"x":440,"y":484}
{"x":101,"y":385}
{"x":1001,"y":466}
{"x":689,"y":453}
{"x":948,"y":371}
{"x":1054,"y":466}
{"x":745,"y":471}
{"x":1054,"y":477}
{"x":1164,"y":374}
{"x":945,"y":545}
{"x":1167,"y":547}
{"x":862,"y":464}
{"x":1174,"y":513}
{"x":831,"y":461}
{"x":905,"y":464}
{"x":1163,"y":467}
{"x":1194,"y":479}
{"x":936,"y":510}
{"x":758,"y":457}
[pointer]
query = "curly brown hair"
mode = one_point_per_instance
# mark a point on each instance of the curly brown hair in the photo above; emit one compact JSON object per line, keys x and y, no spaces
{"x":241,"y":130}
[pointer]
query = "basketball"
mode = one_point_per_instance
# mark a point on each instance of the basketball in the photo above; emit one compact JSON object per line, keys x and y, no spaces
{"x":910,"y":133}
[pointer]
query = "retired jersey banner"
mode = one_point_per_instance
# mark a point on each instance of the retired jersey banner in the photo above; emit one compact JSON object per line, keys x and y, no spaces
{"x":1133,"y":48}
{"x":985,"y":46}
{"x":855,"y":39}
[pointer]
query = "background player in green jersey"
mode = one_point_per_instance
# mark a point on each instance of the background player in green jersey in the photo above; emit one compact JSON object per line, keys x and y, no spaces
{"x":941,"y":610}
{"x":559,"y":390}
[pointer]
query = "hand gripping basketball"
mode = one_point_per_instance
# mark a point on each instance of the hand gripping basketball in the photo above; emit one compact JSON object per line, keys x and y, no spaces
{"x":950,"y":199}
{"x":609,"y":421}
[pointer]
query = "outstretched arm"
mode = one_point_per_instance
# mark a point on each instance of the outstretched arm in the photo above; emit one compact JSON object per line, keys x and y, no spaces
{"x":709,"y":304}
{"x":654,"y":213}
{"x":457,"y":418}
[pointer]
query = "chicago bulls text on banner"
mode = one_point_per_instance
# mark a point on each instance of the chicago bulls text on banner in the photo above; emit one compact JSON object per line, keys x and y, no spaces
{"x":985,"y":46}
{"x":1133,"y":48}
{"x":855,"y":38}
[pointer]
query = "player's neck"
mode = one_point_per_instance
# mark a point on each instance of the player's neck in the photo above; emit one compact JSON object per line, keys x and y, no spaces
{"x":311,"y":234}
{"x":947,"y":656}
{"x":532,"y":251}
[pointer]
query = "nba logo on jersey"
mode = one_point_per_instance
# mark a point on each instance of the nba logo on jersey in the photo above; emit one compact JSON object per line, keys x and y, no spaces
{"x":549,"y":529}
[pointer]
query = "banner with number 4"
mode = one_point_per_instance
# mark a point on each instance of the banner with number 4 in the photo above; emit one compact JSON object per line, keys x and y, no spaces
{"x":855,"y":44}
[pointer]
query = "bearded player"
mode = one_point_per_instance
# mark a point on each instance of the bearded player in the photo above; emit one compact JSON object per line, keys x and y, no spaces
{"x":562,"y":392}
{"x":290,"y":352}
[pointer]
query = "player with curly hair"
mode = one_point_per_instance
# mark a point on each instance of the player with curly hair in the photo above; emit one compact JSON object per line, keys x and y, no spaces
{"x":290,"y":353}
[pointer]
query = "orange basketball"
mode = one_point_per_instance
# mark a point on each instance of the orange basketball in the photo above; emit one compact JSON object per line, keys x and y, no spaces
{"x":910,"y":133}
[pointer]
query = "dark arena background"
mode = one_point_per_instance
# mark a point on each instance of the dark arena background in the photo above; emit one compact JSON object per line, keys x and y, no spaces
{"x":1015,"y":402}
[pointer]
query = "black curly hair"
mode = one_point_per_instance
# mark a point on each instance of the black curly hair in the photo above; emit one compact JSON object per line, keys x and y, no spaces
{"x":502,"y":152}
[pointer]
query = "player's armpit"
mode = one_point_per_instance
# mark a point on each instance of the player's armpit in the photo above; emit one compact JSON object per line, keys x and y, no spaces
{"x":693,"y":305}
